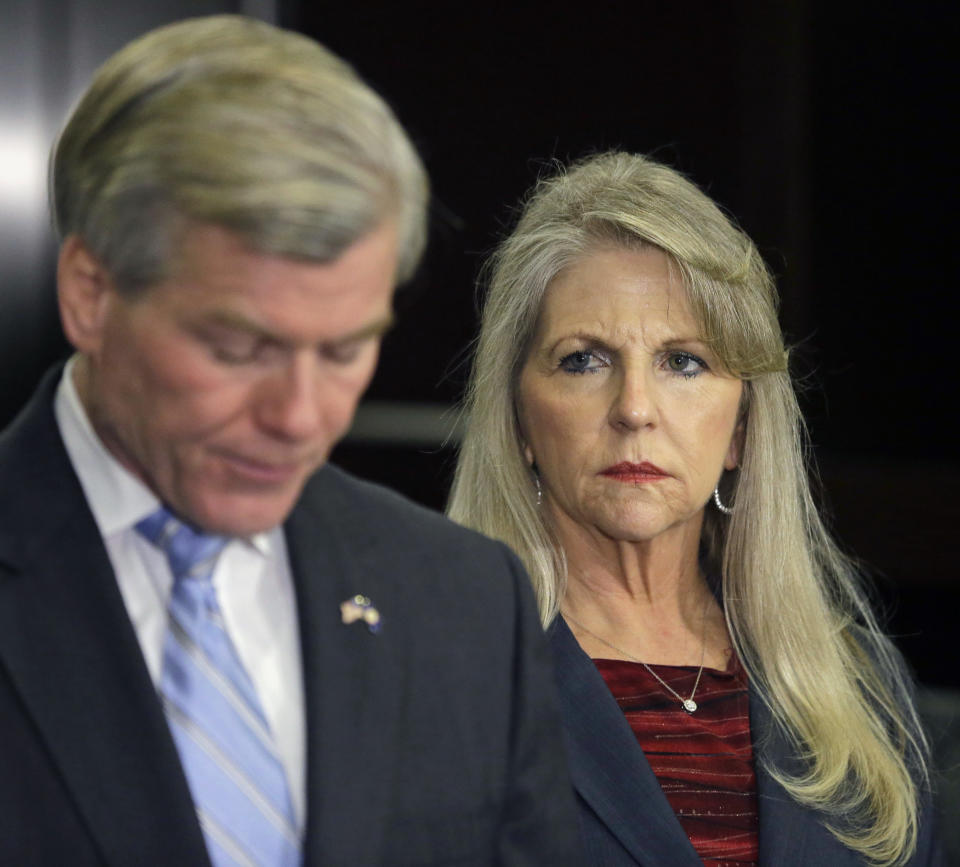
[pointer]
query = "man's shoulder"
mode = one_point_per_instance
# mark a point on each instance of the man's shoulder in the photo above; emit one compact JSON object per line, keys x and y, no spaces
{"x":32,"y":434}
{"x":354,"y":503}
{"x":405,"y":555}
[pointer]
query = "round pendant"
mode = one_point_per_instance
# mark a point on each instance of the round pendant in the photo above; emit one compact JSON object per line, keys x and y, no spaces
{"x":689,"y":705}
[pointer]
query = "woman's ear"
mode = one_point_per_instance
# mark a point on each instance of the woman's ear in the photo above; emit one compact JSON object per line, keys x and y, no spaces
{"x":522,"y":433}
{"x":528,"y":454}
{"x":84,"y":289}
{"x":735,"y":449}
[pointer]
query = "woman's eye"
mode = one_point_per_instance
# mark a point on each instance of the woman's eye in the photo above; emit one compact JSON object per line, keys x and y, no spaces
{"x":684,"y":363}
{"x":582,"y":361}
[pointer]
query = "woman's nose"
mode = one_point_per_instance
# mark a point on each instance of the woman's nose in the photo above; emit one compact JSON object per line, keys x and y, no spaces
{"x":634,"y":405}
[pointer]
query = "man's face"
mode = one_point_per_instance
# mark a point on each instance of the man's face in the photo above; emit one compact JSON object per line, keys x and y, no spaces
{"x":224,"y":387}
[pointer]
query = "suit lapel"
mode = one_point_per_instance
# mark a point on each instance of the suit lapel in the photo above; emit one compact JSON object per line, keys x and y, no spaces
{"x":73,"y":657}
{"x":608,"y":768}
{"x":353,"y":678}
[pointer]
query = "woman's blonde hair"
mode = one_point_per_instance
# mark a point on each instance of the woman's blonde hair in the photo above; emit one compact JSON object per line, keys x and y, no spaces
{"x":795,"y":610}
{"x":229,"y":121}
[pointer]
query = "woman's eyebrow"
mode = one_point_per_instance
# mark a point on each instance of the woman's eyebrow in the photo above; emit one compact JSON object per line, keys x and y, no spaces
{"x":677,"y":341}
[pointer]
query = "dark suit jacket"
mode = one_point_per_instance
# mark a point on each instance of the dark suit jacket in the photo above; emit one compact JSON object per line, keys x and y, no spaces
{"x":433,"y":742}
{"x":626,"y":820}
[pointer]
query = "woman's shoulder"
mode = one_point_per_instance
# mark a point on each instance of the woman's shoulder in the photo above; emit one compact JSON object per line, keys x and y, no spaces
{"x":880,"y":657}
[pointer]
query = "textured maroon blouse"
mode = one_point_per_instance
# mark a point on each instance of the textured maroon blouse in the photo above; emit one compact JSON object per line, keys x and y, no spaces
{"x":703,"y":760}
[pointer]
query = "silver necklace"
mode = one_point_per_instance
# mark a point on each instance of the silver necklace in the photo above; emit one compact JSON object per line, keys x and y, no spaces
{"x":688,"y":704}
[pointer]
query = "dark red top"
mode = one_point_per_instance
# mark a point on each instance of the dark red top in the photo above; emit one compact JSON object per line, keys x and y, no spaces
{"x":703,"y":760}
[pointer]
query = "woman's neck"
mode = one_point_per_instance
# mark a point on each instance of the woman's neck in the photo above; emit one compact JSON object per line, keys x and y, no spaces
{"x":648,"y":599}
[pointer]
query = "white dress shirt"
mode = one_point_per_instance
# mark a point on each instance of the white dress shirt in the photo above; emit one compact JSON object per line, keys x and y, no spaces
{"x":252,"y":578}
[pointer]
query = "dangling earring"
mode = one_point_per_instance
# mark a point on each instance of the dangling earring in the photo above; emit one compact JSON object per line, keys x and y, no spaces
{"x":727,"y":510}
{"x":536,"y":478}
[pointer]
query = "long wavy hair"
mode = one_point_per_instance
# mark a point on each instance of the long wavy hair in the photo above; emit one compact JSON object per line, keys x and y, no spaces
{"x":795,"y":608}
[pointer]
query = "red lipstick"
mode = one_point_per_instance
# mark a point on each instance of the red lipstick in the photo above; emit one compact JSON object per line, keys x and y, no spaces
{"x":626,"y":471}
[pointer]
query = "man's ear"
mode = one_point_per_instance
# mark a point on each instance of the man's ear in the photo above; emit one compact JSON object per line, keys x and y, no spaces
{"x":84,"y":290}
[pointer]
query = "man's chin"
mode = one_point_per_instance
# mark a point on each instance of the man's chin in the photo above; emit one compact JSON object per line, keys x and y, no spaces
{"x":242,"y":515}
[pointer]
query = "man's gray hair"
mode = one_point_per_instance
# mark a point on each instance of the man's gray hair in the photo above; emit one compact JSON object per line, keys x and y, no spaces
{"x":229,"y":121}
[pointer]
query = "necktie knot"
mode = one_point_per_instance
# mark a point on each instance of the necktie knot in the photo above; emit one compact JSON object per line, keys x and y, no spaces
{"x":191,"y":554}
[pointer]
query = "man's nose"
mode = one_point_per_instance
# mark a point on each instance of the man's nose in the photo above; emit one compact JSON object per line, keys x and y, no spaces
{"x":290,"y":402}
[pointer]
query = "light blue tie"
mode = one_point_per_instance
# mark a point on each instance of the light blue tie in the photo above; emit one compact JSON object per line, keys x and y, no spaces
{"x":237,"y":781}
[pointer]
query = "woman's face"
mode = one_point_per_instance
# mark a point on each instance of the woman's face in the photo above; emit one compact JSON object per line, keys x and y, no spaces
{"x":624,"y":410}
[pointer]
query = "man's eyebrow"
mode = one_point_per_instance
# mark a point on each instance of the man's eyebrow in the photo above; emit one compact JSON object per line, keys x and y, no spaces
{"x":236,"y":322}
{"x":231,"y":319}
{"x":377,"y":328}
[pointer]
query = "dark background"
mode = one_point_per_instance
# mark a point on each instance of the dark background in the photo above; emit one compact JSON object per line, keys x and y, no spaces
{"x":825,"y":128}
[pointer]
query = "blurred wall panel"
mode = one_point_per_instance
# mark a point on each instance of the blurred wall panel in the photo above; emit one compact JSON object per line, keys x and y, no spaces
{"x":26,"y":119}
{"x":48,"y":51}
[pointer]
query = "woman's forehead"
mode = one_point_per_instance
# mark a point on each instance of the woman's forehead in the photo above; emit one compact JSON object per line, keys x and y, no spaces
{"x":617,"y":289}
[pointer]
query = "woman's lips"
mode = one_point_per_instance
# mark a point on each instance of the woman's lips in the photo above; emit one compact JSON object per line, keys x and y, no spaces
{"x":626,"y":471}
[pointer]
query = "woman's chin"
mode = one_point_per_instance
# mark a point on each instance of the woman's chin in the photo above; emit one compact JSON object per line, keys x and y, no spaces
{"x":644,"y":524}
